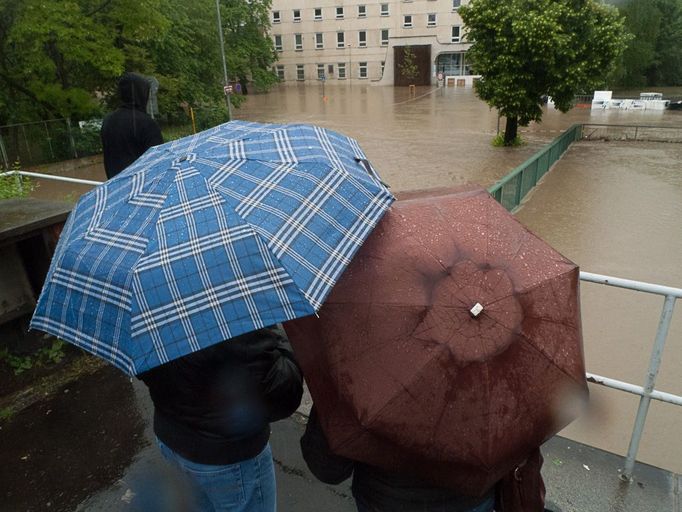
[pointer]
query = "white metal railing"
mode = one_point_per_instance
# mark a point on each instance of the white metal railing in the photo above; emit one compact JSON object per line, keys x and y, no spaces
{"x":646,"y":392}
{"x":51,"y":177}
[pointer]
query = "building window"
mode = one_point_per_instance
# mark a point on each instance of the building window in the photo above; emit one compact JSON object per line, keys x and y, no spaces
{"x":431,"y":20}
{"x":362,"y":11}
{"x":278,"y":43}
{"x":276,"y":18}
{"x":319,"y":41}
{"x":384,"y":37}
{"x":298,"y":40}
{"x":455,"y":34}
{"x":318,"y":13}
{"x":456,"y":4}
{"x":280,"y":71}
{"x":362,"y":39}
{"x":340,"y":40}
{"x":362,"y":70}
{"x":341,"y":70}
{"x":300,"y":72}
{"x":320,"y":72}
{"x":384,"y":9}
{"x":339,"y":13}
{"x":383,"y":66}
{"x":330,"y":69}
{"x":297,"y":14}
{"x":407,"y":21}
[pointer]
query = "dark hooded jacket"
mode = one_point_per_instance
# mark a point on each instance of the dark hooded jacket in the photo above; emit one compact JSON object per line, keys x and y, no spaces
{"x":214,"y":406}
{"x":378,"y":489}
{"x":129,"y":131}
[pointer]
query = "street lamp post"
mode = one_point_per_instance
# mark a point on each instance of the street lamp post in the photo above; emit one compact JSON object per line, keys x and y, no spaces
{"x":222,"y":53}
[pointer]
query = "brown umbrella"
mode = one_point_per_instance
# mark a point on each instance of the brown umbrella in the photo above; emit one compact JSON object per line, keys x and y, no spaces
{"x":451,"y":344}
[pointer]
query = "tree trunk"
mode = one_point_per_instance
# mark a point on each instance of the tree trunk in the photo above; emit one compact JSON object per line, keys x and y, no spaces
{"x":511,"y":130}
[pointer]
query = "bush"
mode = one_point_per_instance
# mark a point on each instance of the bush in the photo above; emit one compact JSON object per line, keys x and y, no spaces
{"x":498,"y":141}
{"x":87,"y":140}
{"x":14,"y":185}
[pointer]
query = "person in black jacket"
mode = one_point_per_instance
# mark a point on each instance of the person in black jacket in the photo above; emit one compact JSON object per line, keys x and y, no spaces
{"x":128,"y":131}
{"x":379,"y":490}
{"x":212,"y":411}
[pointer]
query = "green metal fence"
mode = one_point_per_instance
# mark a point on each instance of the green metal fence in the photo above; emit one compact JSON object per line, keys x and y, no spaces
{"x":511,"y":189}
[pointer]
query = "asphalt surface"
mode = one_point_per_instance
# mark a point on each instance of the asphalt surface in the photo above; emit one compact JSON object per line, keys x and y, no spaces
{"x":579,"y":478}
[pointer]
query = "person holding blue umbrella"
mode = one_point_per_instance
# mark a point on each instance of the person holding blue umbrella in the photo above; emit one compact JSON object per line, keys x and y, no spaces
{"x":212,"y":411}
{"x":175,"y":270}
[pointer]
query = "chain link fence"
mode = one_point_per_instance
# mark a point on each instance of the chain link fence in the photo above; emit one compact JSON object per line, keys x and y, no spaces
{"x":53,"y":140}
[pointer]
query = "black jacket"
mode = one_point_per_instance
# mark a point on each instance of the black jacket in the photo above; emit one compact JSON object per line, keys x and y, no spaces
{"x":129,"y":131}
{"x":378,"y":489}
{"x":214,"y":406}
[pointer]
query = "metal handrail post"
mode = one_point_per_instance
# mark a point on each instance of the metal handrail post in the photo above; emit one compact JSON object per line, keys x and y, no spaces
{"x":645,"y":401}
{"x":3,"y":153}
{"x":73,"y":142}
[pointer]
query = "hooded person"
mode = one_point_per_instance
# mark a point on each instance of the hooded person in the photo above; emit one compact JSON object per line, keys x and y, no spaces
{"x":128,"y":131}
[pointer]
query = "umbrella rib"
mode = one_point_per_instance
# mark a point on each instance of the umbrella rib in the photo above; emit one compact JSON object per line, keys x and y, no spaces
{"x":545,"y":356}
{"x":530,"y":288}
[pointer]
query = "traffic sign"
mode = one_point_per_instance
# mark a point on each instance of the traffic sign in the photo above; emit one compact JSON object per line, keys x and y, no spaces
{"x":227,"y":89}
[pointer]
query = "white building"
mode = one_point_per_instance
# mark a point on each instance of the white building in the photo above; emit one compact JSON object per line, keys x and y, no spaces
{"x":343,"y":40}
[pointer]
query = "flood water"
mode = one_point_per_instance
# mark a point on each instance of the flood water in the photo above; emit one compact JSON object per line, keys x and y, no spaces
{"x":614,"y":208}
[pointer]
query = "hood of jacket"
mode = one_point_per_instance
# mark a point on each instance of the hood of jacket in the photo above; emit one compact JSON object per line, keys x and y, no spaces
{"x":133,"y":89}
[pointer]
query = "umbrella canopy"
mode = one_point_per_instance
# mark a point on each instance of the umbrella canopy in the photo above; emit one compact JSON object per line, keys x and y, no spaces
{"x":450,"y":345}
{"x":208,"y":237}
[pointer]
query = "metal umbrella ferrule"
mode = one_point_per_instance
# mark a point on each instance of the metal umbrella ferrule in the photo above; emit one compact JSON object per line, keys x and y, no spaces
{"x":476,"y":310}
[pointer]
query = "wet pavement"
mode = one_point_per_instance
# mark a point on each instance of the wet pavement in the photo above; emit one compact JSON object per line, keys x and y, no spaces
{"x":579,"y":478}
{"x":58,"y":451}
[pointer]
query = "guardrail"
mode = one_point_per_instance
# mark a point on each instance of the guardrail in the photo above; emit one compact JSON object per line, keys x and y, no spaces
{"x":647,"y":392}
{"x":592,"y":131}
{"x":511,"y":189}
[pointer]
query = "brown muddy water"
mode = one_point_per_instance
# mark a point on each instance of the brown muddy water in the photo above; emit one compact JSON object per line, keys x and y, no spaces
{"x":614,"y":208}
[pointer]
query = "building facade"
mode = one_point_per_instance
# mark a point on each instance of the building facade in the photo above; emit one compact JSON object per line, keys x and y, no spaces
{"x":343,"y":41}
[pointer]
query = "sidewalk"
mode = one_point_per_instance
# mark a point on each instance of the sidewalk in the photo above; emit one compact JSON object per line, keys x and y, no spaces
{"x":579,"y":478}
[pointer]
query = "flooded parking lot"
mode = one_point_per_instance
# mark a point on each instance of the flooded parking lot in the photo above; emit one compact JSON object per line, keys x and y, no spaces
{"x":614,"y":208}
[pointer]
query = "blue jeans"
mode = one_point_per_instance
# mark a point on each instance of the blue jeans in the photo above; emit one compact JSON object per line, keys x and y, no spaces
{"x":247,"y":486}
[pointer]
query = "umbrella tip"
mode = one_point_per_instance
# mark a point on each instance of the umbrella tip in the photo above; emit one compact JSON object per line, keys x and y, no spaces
{"x":476,"y":310}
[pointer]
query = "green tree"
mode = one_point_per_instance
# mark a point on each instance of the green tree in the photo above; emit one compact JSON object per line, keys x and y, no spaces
{"x":249,"y":50}
{"x":408,"y":67}
{"x":186,"y":59}
{"x":526,"y":49}
{"x":62,"y":58}
{"x":642,"y":20}
{"x":653,"y":55}
{"x":55,"y":55}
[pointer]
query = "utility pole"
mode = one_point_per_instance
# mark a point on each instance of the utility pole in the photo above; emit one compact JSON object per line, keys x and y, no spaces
{"x":222,"y":53}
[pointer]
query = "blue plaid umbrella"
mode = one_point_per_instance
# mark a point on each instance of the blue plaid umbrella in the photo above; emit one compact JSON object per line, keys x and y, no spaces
{"x":208,"y":237}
